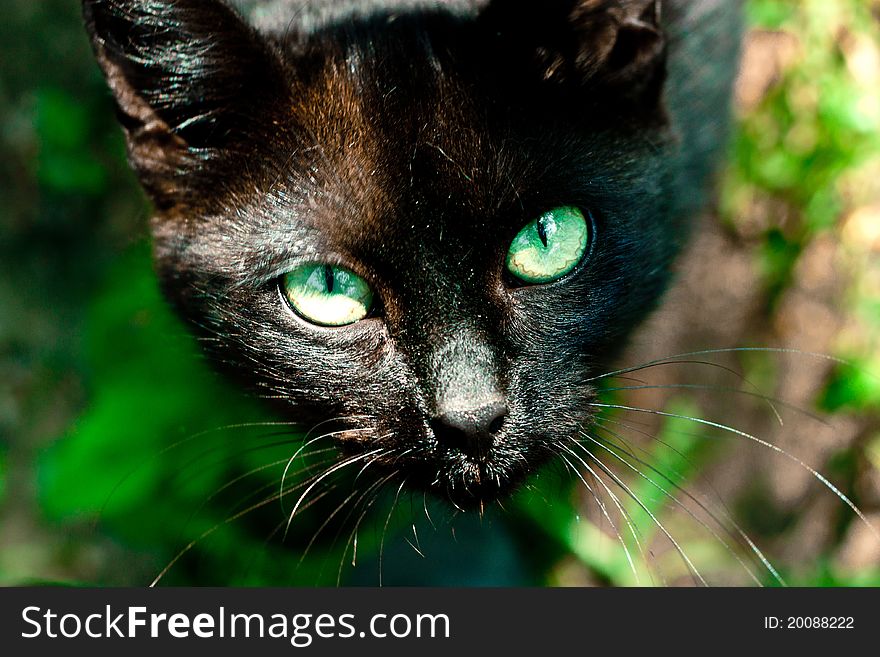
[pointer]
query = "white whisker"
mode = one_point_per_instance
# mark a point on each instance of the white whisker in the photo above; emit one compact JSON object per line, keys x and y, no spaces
{"x":759,"y":441}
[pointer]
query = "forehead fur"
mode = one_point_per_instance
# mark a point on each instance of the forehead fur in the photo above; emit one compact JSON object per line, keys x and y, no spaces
{"x":385,"y":109}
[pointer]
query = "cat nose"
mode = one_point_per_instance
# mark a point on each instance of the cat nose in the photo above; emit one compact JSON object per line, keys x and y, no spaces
{"x":470,"y":430}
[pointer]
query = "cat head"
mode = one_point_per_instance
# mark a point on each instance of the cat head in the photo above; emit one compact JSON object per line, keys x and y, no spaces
{"x":427,"y":230}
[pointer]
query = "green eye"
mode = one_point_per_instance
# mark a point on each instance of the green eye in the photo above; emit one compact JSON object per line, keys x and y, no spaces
{"x":327,"y":295}
{"x":549,"y":247}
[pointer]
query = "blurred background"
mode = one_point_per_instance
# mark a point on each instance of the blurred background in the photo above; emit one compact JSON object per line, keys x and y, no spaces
{"x":123,"y":458}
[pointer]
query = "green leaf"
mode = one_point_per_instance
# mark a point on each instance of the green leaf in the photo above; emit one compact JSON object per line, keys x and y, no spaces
{"x":676,"y":455}
{"x":853,"y":388}
{"x":66,"y":162}
{"x":154,"y":431}
{"x":770,"y":14}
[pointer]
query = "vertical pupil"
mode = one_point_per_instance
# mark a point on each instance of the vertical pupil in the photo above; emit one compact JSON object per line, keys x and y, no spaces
{"x":329,"y":278}
{"x":542,"y":232}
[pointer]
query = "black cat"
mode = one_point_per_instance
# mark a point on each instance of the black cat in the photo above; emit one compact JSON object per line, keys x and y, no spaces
{"x":424,"y":227}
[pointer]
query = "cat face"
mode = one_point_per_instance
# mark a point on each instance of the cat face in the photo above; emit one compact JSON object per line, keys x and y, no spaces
{"x":422,"y":233}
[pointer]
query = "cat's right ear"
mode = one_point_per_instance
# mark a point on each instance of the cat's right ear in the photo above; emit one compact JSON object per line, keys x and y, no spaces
{"x":192,"y":84}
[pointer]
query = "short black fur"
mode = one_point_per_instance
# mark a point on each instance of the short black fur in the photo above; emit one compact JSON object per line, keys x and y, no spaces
{"x":409,"y":142}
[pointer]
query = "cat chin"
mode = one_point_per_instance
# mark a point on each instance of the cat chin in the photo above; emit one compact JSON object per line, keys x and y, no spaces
{"x":464,"y":483}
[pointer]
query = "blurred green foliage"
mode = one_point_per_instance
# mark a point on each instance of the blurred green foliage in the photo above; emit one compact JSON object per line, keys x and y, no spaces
{"x":2,"y":476}
{"x":127,"y":446}
{"x":65,"y":162}
{"x":810,"y":142}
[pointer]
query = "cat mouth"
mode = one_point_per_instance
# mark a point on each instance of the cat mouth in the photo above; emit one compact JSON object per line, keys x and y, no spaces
{"x":465,"y":482}
{"x":468,"y":479}
{"x":471,"y":485}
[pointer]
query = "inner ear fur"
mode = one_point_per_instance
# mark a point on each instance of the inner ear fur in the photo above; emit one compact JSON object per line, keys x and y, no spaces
{"x":188,"y":76}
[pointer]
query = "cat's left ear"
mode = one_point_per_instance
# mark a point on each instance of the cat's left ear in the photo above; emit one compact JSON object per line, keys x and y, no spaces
{"x":194,"y":85}
{"x":618,"y":44}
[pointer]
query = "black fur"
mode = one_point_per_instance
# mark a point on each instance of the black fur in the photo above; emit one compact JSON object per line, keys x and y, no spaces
{"x":410,"y":142}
